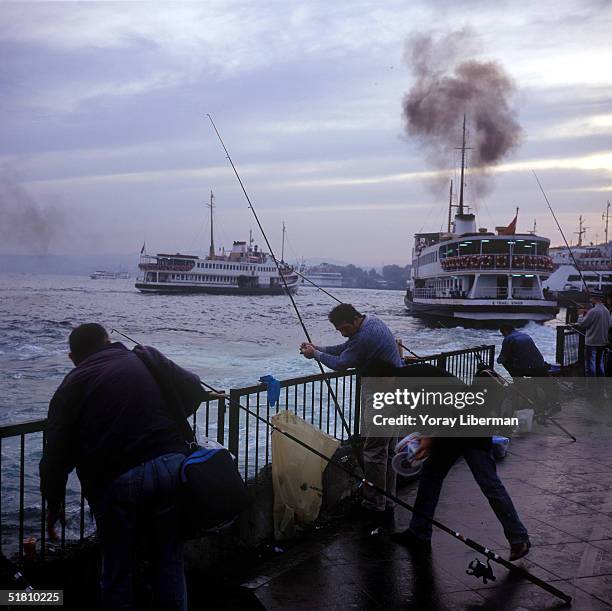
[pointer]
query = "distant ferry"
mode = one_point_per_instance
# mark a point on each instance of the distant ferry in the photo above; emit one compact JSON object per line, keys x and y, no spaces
{"x":324,"y":279}
{"x":246,"y":270}
{"x":471,"y":275}
{"x":106,"y":275}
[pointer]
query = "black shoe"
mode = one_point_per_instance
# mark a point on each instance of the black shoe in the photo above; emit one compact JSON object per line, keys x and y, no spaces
{"x":411,"y":541}
{"x":519,"y":550}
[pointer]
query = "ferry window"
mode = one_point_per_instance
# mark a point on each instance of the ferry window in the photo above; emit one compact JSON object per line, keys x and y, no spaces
{"x":495,"y":247}
{"x":524,"y":247}
{"x":471,"y":247}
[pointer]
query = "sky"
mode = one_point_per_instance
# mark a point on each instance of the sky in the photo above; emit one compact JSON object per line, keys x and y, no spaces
{"x":105,"y":141}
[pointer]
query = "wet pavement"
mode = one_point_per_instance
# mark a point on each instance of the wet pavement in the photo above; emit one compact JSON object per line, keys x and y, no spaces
{"x":563,"y":493}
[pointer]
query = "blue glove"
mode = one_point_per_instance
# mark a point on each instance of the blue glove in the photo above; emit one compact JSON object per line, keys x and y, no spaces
{"x":273,"y":386}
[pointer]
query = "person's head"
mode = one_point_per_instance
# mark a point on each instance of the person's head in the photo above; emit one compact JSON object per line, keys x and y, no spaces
{"x":506,"y":328}
{"x":346,"y":319}
{"x":85,"y":340}
{"x":596,"y":297}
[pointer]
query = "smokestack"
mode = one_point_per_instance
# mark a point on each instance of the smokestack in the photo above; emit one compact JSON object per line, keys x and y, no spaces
{"x":449,"y":83}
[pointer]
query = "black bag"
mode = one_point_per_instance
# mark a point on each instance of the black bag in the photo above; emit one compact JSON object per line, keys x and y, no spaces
{"x":212,"y":491}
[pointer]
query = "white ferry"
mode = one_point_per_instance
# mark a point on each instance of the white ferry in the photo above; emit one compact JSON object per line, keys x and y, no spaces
{"x":101,"y":274}
{"x":471,"y":275}
{"x":324,"y":279}
{"x":246,"y":270}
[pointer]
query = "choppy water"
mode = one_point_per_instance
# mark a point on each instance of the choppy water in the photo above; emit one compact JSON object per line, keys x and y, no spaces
{"x":229,"y":341}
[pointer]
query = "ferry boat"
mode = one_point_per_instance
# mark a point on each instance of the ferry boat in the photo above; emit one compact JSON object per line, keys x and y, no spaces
{"x":245,"y":270}
{"x":590,"y":265}
{"x":106,"y":275}
{"x":470,"y":275}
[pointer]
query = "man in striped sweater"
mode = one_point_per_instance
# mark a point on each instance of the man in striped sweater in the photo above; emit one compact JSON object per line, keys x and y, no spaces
{"x":369,"y":340}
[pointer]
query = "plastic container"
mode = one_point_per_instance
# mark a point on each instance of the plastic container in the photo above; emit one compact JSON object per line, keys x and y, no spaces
{"x":525,"y":418}
{"x":500,"y":446}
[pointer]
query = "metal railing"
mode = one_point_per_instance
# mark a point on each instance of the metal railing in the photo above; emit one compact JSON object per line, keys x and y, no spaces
{"x":514,"y":262}
{"x":22,"y":507}
{"x":570,"y":347}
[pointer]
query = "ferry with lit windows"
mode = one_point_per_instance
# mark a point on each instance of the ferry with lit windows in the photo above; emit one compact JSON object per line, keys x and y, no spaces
{"x":245,"y":270}
{"x":473,"y":276}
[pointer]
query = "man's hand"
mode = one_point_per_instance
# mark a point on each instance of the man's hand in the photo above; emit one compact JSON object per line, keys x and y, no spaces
{"x":307,"y":350}
{"x":53,"y":516}
{"x":217,"y":395}
{"x":424,"y":448}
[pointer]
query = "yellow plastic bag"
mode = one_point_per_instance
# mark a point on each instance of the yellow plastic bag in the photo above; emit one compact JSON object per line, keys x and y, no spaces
{"x":297,"y":473}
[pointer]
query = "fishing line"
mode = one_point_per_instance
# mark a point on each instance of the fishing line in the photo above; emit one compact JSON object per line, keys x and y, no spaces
{"x":283,"y":279}
{"x":475,"y":545}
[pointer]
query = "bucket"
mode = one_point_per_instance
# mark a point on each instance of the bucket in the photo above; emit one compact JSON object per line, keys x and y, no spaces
{"x":525,"y":420}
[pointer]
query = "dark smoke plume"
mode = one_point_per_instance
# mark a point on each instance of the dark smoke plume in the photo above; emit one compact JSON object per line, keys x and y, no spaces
{"x":25,"y":226}
{"x":450,"y":83}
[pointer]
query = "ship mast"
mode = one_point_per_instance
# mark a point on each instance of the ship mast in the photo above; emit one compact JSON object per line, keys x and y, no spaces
{"x":581,"y":230}
{"x":606,"y":216}
{"x":211,"y":252}
{"x":450,"y":206}
{"x":283,"y":245}
{"x":462,"y":169}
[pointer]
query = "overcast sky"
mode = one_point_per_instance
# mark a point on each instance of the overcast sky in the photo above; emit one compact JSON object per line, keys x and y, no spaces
{"x":105,"y":142}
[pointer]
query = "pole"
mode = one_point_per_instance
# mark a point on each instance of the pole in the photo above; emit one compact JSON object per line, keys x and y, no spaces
{"x":283,"y":279}
{"x":586,"y":288}
{"x":450,"y":206}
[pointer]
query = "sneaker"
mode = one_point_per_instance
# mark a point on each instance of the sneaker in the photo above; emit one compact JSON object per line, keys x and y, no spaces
{"x":518,"y":550}
{"x":411,"y":541}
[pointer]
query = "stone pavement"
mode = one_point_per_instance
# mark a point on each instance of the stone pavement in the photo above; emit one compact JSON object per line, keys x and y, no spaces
{"x":563,"y":493}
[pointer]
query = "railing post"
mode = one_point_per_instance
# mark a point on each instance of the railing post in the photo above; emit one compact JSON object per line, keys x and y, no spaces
{"x":491,"y":359}
{"x":357,"y":407}
{"x":233,"y":434}
{"x":221,"y":421}
{"x":560,"y":346}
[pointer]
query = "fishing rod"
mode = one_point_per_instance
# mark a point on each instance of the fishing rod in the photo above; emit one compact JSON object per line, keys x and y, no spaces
{"x":338,"y":300}
{"x":280,"y":272}
{"x":476,"y":567}
{"x":518,"y":392}
{"x":586,"y":288}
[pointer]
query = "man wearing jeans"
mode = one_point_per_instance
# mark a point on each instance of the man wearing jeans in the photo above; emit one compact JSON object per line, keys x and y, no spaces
{"x":595,"y":324}
{"x":108,"y":419}
{"x":443,"y":453}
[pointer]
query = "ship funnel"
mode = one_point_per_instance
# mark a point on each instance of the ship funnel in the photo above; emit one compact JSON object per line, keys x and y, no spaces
{"x":465,"y":223}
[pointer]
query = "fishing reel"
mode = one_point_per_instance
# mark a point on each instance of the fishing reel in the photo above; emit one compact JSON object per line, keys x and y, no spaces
{"x":480,"y":570}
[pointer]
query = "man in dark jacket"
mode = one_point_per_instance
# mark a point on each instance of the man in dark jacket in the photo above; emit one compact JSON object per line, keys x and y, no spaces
{"x":108,"y":419}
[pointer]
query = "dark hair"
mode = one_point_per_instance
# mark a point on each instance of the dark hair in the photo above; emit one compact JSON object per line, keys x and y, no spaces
{"x":506,"y":327}
{"x":344,"y":312}
{"x":86,"y":339}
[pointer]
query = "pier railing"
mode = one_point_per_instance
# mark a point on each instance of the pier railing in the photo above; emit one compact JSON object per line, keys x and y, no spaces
{"x":23,"y":508}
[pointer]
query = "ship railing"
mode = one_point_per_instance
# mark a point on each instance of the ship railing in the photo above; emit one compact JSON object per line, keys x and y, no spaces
{"x":498,"y":262}
{"x":527,"y":293}
{"x":23,"y":508}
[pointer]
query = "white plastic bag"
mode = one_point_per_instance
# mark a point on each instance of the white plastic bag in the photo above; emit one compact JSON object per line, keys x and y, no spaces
{"x":297,"y":473}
